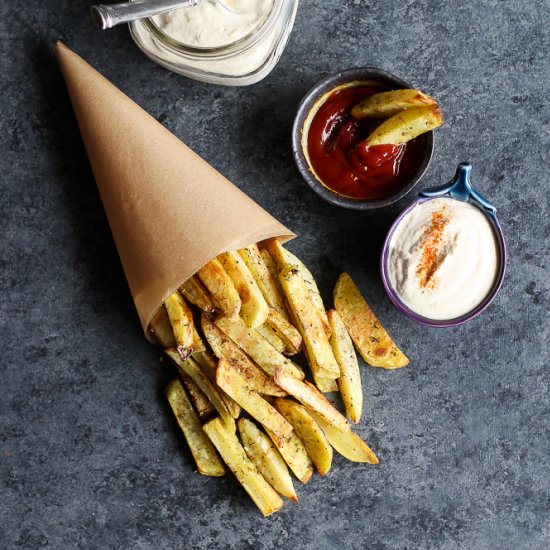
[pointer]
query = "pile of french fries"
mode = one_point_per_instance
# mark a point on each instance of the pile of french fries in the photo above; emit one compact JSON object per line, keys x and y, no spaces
{"x":240,"y":400}
{"x":407,"y":113}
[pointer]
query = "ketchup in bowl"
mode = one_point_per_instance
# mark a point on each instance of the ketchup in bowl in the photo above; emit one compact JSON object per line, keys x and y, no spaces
{"x":341,"y":160}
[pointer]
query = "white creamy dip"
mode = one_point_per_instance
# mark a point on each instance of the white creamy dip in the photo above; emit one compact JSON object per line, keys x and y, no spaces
{"x":443,"y":258}
{"x":210,"y":25}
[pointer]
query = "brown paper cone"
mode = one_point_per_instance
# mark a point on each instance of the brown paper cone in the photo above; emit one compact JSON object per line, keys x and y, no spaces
{"x":170,"y":212}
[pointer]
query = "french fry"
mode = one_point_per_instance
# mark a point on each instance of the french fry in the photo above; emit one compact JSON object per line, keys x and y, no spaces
{"x":209,"y":365}
{"x":195,"y":292}
{"x":368,"y":335}
{"x":314,"y":439}
{"x":221,"y":287}
{"x":224,"y":348}
{"x":254,"y":308}
{"x":261,"y":351}
{"x":232,"y":383}
{"x":191,"y":368}
{"x":201,"y":403}
{"x":350,"y":377}
{"x":162,"y":329}
{"x":273,"y":269}
{"x":268,"y":285}
{"x":291,"y":338}
{"x":181,"y":319}
{"x":206,"y":458}
{"x":295,"y":455}
{"x":326,"y":385}
{"x":388,"y":104}
{"x":312,"y":398}
{"x":348,"y":444}
{"x":267,"y":459}
{"x":265,"y":332}
{"x":315,"y":338}
{"x":286,"y":260}
{"x":264,"y":496}
{"x":406,"y":125}
{"x":198,"y":344}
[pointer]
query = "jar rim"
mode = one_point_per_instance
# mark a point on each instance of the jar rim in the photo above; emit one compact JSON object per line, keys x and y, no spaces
{"x":218,"y":52}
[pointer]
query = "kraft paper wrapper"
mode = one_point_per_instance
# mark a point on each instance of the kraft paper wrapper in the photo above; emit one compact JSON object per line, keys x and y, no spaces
{"x":169,"y":211}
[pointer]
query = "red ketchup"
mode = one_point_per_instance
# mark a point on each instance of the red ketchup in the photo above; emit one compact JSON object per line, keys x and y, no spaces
{"x":343,"y":162}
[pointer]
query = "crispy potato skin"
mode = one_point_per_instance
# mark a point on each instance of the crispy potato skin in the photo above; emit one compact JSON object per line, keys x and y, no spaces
{"x":350,"y":376}
{"x":388,"y":104}
{"x":265,"y":456}
{"x":224,"y":348}
{"x":259,"y":349}
{"x":254,"y":308}
{"x":221,"y":287}
{"x":264,"y":496}
{"x":309,"y":432}
{"x":315,"y":339}
{"x":191,"y":368}
{"x":307,"y":394}
{"x":232,"y":383}
{"x":366,"y":331}
{"x":295,"y":455}
{"x":348,"y":444}
{"x":196,"y":293}
{"x":406,"y":125}
{"x":181,"y":319}
{"x":208,"y":462}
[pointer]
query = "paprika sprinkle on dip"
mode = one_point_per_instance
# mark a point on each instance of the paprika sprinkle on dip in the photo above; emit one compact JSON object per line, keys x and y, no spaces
{"x":431,"y":248}
{"x":443,"y":258}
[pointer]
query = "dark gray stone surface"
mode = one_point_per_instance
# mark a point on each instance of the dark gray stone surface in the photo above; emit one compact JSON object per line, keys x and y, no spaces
{"x":89,"y":454}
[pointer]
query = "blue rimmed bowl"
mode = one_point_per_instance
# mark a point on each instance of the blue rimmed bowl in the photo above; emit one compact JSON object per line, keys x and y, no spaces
{"x":458,"y":188}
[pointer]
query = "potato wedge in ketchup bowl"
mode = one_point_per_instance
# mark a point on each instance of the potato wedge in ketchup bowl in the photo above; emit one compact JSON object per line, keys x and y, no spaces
{"x":363,"y":138}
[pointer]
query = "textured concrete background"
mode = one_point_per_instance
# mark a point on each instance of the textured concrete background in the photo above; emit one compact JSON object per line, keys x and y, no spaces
{"x":89,"y":454}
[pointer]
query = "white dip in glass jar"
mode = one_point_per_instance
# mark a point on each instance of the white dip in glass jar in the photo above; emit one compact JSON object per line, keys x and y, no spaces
{"x":209,"y":43}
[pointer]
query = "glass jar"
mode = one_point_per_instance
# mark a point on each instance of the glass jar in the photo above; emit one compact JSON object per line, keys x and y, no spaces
{"x":240,"y":63}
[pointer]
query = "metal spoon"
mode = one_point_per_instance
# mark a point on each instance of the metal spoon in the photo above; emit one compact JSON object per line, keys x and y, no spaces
{"x":107,"y":16}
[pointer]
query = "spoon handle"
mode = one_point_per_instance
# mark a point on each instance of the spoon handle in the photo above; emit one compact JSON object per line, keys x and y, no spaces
{"x":107,"y":16}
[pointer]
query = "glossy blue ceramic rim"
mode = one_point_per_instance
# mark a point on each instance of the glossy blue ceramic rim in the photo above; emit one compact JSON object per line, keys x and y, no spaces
{"x":488,"y":209}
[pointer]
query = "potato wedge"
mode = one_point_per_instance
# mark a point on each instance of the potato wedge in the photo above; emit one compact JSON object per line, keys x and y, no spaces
{"x":265,"y":332}
{"x":406,"y":125}
{"x":314,"y":439}
{"x":201,"y":403}
{"x":285,"y":260}
{"x":198,"y":344}
{"x":368,"y":335}
{"x":160,"y":326}
{"x":326,"y":385}
{"x":195,"y":292}
{"x":388,"y":104}
{"x":261,"y":351}
{"x":232,"y":383}
{"x":254,"y":308}
{"x":264,"y":278}
{"x":315,"y":338}
{"x":348,"y":444}
{"x":267,"y":459}
{"x":191,"y":368}
{"x":204,"y":453}
{"x":181,"y":319}
{"x":226,"y":442}
{"x":295,"y":455}
{"x":221,"y":287}
{"x":350,"y":377}
{"x":291,"y":338}
{"x":307,"y":394}
{"x":224,"y":348}
{"x":209,"y":365}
